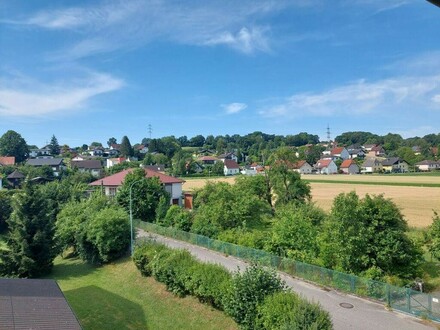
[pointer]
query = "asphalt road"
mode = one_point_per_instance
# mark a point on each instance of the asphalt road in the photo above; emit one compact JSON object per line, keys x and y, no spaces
{"x":363,"y":315}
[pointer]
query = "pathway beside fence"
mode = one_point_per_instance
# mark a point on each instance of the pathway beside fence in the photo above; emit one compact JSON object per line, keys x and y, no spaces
{"x":402,"y":299}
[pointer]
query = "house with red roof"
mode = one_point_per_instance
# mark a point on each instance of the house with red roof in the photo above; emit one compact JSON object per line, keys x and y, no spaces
{"x":326,"y":166}
{"x":7,"y":161}
{"x":349,"y":166}
{"x":302,"y":167}
{"x":230,"y":167}
{"x":208,"y":160}
{"x":172,"y":185}
{"x":339,"y":153}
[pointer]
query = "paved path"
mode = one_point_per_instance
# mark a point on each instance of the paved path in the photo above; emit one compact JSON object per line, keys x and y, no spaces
{"x":364,"y":315}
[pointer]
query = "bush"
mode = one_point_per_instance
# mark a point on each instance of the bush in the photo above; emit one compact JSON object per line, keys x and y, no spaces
{"x":286,"y":310}
{"x":144,"y":254}
{"x":247,"y":290}
{"x":209,"y":282}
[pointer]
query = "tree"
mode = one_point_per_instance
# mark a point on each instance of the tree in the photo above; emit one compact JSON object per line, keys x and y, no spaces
{"x":126,"y":150}
{"x":12,"y":144}
{"x":434,"y":236}
{"x":111,"y":141}
{"x":30,"y":238}
{"x":197,"y":141}
{"x":145,"y":195}
{"x":369,"y":234}
{"x":54,"y":147}
{"x":5,"y":207}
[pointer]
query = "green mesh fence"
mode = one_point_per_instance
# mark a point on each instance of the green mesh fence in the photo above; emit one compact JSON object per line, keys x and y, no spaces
{"x":403,"y":299}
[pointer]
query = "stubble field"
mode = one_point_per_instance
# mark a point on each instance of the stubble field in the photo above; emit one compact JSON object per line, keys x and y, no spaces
{"x":416,"y":203}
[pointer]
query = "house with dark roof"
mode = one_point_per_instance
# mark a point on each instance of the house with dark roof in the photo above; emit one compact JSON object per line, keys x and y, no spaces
{"x":395,"y":165}
{"x":349,"y":166}
{"x":428,"y":165}
{"x":208,"y":160}
{"x":34,"y":304}
{"x":15,"y":178}
{"x":94,"y":167}
{"x":171,"y":184}
{"x":57,"y":164}
{"x":371,"y":165}
{"x":228,"y":155}
{"x":302,"y":167}
{"x":230,"y":167}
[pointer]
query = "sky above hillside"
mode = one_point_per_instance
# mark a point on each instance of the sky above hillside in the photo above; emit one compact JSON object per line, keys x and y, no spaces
{"x":89,"y":70}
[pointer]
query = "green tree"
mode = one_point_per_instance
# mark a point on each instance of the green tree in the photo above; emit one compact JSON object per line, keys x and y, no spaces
{"x":145,"y":194}
{"x":54,"y":147}
{"x":366,"y":234}
{"x":5,"y":207}
{"x":12,"y":144}
{"x":126,"y":149}
{"x":295,"y":231}
{"x":111,"y":141}
{"x":434,"y":236}
{"x":30,"y":237}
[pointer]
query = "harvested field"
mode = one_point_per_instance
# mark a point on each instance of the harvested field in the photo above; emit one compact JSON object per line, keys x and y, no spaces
{"x":417,"y":203}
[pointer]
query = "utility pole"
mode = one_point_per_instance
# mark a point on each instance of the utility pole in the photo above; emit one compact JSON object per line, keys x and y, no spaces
{"x":150,"y":130}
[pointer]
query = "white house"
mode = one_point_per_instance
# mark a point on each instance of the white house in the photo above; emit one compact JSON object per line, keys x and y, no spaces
{"x":114,"y":161}
{"x":371,"y":165}
{"x":230,"y":167}
{"x":428,"y":165}
{"x":302,"y":167}
{"x":172,"y":185}
{"x":326,"y":166}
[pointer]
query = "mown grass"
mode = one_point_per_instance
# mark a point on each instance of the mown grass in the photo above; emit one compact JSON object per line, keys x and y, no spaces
{"x":116,"y":296}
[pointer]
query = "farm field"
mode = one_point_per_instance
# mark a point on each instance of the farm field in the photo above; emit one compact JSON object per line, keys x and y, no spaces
{"x":417,"y":203}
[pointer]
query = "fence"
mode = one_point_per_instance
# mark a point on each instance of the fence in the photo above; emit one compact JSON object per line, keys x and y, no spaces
{"x":402,"y":299}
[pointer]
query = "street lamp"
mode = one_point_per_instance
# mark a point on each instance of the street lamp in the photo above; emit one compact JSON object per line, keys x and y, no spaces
{"x":131,"y":216}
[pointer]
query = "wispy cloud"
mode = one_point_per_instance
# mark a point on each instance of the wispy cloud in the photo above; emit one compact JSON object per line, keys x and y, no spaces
{"x":120,"y":24}
{"x":35,"y":99}
{"x":233,"y":108}
{"x":360,"y":98}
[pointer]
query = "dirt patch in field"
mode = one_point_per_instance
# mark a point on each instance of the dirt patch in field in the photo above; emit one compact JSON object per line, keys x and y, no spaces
{"x":416,"y":203}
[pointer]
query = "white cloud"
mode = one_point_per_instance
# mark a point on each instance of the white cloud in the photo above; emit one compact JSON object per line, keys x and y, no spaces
{"x":234,"y":107}
{"x":44,"y":100}
{"x":361,"y":98}
{"x":246,"y":41}
{"x":436,"y":98}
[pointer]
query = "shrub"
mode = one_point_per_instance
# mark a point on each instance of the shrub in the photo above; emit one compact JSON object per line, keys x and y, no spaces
{"x":144,"y":254}
{"x":286,"y":310}
{"x":209,"y":282}
{"x":247,"y":290}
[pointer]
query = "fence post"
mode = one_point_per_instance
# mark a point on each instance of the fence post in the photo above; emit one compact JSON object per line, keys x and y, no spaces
{"x":388,"y":293}
{"x":408,"y":299}
{"x":352,"y":283}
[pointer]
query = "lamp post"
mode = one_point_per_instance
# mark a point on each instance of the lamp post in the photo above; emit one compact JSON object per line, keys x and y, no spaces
{"x":131,"y":216}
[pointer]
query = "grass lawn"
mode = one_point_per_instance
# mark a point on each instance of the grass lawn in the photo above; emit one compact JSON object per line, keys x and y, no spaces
{"x":116,"y":296}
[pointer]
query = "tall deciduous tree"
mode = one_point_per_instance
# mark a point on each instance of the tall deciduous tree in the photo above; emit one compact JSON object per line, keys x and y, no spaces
{"x":369,"y":236}
{"x":30,"y":239}
{"x":126,"y":149}
{"x":111,"y":141}
{"x":12,"y":144}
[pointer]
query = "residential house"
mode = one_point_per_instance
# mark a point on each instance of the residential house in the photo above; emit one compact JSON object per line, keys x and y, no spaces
{"x":371,"y":165}
{"x":376,"y":151}
{"x":349,"y":166}
{"x":15,"y":178}
{"x":7,"y":161}
{"x":143,"y":149}
{"x":208,"y":160}
{"x":339,"y":153}
{"x":368,"y":147}
{"x":417,"y":150}
{"x":57,"y":164}
{"x":94,"y":167}
{"x":355,"y":151}
{"x":230,"y":167}
{"x":43,"y":152}
{"x":428,"y":165}
{"x":302,"y":167}
{"x":326,"y":166}
{"x":96,"y":151}
{"x":249,"y":170}
{"x":395,"y":165}
{"x":228,"y":155}
{"x":115,"y":161}
{"x":172,"y":185}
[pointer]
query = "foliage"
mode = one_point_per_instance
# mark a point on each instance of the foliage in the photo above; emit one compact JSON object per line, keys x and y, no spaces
{"x":247,"y":290}
{"x":12,"y":144}
{"x":5,"y":207}
{"x":126,"y":150}
{"x":220,"y":206}
{"x":162,"y":208}
{"x":434,"y":236}
{"x":295,"y":230}
{"x":96,"y":228}
{"x":111,"y":141}
{"x":253,"y":238}
{"x":143,"y":255}
{"x":178,"y":218}
{"x":361,"y":234}
{"x":30,"y":237}
{"x":145,"y":195}
{"x":54,"y":147}
{"x":286,"y":310}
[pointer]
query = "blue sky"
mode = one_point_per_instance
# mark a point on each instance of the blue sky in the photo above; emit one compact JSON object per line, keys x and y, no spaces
{"x":90,"y":70}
